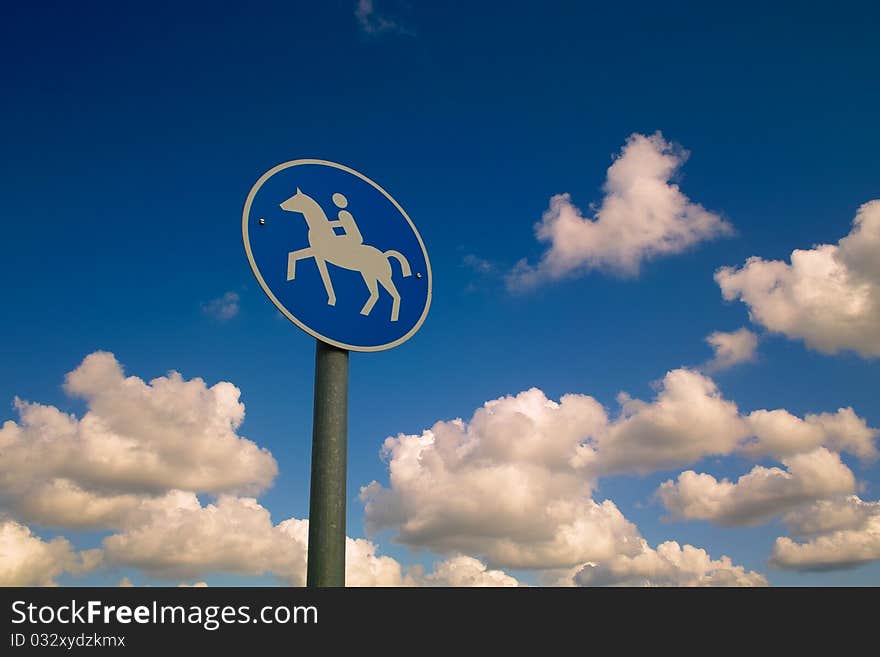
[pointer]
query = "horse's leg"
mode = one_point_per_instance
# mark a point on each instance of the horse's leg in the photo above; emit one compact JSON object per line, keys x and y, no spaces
{"x":374,"y":294}
{"x":388,"y":284}
{"x":292,"y":257}
{"x":325,"y":276}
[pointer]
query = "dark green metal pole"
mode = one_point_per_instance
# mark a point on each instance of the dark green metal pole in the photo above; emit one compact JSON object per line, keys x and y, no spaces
{"x":326,"y":561}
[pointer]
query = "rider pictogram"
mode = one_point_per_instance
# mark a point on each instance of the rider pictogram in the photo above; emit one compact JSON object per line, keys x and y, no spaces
{"x":354,"y":231}
{"x":346,"y":250}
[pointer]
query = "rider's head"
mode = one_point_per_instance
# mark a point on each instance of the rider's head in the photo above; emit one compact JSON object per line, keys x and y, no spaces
{"x":339,"y":200}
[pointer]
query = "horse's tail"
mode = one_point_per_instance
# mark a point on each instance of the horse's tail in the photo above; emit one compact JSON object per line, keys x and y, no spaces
{"x":397,"y":255}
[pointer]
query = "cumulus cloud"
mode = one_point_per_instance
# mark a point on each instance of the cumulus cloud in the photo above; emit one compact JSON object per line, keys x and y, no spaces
{"x":731,"y":349}
{"x":462,"y":570}
{"x":843,"y":548}
{"x":689,"y":419}
{"x":761,"y":493}
{"x":841,"y":532}
{"x":669,"y":565}
{"x":779,"y":433}
{"x":135,"y":461}
{"x":825,"y":516}
{"x":28,"y":560}
{"x":644,"y":215}
{"x":511,"y":488}
{"x":222,"y":308}
{"x":136,"y":442}
{"x":185,"y":540}
{"x":443,"y":491}
{"x":363,"y":566}
{"x":513,"y":484}
{"x":828,"y":296}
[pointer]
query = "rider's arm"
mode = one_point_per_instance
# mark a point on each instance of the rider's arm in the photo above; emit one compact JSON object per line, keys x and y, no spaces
{"x":348,"y":224}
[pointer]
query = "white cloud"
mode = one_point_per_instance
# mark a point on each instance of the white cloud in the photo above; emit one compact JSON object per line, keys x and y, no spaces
{"x":546,"y":456}
{"x":825,"y":516}
{"x":689,"y":419}
{"x":185,"y":540}
{"x":761,"y":493}
{"x":731,"y":349}
{"x":829,"y":296}
{"x":843,"y":548}
{"x":363,"y":567}
{"x":136,"y":441}
{"x":223,"y":308}
{"x":465,"y":571}
{"x":512,"y":485}
{"x":135,"y":461}
{"x":27,"y":560}
{"x":62,"y":503}
{"x":669,"y":565}
{"x":642,"y":216}
{"x":374,"y":23}
{"x":779,"y":433}
{"x":843,"y":532}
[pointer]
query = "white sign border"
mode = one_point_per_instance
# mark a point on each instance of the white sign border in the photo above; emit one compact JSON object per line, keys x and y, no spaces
{"x":247,"y":247}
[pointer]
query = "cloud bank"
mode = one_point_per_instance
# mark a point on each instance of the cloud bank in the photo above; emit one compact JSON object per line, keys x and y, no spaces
{"x":547,"y":457}
{"x":511,"y":488}
{"x":137,"y":441}
{"x":135,"y":462}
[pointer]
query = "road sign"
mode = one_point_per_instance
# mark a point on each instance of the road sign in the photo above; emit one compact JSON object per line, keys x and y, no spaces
{"x":342,"y":260}
{"x":337,"y":255}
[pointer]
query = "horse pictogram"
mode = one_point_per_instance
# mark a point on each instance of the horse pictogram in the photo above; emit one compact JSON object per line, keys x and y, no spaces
{"x":347,"y":251}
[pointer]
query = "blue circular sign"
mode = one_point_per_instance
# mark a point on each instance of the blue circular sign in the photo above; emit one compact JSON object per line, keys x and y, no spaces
{"x":337,"y":255}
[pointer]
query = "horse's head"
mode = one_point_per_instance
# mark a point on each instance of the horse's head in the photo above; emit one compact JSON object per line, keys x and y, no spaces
{"x":299,"y":202}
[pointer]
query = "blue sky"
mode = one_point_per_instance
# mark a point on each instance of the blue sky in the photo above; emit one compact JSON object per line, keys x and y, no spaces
{"x":132,"y":135}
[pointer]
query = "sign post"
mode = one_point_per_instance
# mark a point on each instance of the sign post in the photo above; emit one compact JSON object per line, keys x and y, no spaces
{"x":326,"y":563}
{"x":360,"y":281}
